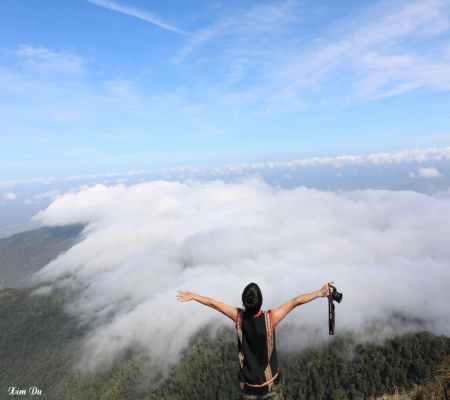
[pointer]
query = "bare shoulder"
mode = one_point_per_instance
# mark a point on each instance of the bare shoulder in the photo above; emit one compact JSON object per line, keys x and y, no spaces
{"x":279,"y":313}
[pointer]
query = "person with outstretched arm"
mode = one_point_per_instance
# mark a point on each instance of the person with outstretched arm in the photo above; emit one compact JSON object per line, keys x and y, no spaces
{"x":258,"y":366}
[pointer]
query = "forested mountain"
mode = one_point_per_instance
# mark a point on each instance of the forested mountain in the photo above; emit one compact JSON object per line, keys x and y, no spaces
{"x":39,"y":345}
{"x":25,"y":253}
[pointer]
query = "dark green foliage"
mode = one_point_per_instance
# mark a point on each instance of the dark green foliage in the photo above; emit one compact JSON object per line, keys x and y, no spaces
{"x":34,"y":340}
{"x":39,"y":345}
{"x":209,"y":370}
{"x":328,"y":373}
{"x":23,"y":254}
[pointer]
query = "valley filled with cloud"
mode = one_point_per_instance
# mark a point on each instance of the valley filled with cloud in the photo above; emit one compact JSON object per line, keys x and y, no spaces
{"x":388,"y":252}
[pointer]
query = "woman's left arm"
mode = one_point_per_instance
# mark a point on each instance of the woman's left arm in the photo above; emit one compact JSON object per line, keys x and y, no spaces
{"x":229,"y":311}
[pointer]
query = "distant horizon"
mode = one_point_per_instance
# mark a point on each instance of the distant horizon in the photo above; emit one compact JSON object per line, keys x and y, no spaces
{"x":434,"y":155}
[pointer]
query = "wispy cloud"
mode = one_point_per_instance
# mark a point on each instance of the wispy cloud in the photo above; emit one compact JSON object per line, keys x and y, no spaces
{"x":146,"y":16}
{"x":42,"y":59}
{"x":53,"y":195}
{"x":405,"y":156}
{"x":384,"y":55}
{"x":378,"y":53}
{"x":257,"y":21}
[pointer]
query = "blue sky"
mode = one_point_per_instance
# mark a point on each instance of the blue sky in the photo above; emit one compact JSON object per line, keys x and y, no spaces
{"x":109,"y":92}
{"x":98,"y":86}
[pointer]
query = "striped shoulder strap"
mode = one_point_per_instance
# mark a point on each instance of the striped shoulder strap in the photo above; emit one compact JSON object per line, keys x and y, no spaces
{"x":269,"y":331}
{"x":239,"y":324}
{"x":270,"y":344}
{"x":241,"y":352}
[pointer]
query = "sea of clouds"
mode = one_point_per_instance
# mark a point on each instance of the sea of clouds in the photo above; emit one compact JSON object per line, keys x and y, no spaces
{"x":388,"y":251}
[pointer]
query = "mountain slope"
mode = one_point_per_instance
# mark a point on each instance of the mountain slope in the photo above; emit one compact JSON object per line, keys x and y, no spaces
{"x":25,"y":253}
{"x":40,"y":345}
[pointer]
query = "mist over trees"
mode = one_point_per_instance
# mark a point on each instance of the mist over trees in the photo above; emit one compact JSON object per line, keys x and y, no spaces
{"x":40,"y":346}
{"x":142,"y":243}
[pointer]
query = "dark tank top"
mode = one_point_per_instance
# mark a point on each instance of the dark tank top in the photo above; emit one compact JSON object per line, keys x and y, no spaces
{"x":257,"y":352}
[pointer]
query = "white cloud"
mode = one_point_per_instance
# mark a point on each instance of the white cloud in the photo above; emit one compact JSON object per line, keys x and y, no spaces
{"x":429,"y":173}
{"x":41,"y":59}
{"x":146,"y":16}
{"x":52,"y":195}
{"x":144,"y":242}
{"x":412,"y":175}
{"x":82,"y":188}
{"x":338,"y":174}
{"x":121,"y":180}
{"x":42,"y":291}
{"x":9,"y":196}
{"x":405,"y":156}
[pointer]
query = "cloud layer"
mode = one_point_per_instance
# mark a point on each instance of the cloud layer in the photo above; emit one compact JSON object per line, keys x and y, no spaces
{"x":398,"y":157}
{"x":388,"y":252}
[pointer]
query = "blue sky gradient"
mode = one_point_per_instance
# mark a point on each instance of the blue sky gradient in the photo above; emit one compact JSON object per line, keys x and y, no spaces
{"x":98,"y":86}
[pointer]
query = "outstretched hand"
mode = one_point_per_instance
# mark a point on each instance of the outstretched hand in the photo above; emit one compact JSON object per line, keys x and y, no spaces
{"x":184,"y":296}
{"x":326,"y":290}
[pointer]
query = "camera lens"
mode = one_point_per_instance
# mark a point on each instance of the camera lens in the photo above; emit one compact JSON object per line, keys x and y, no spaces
{"x":337,"y":296}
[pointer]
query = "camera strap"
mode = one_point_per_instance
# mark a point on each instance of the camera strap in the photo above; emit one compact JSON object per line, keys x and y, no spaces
{"x":331,"y":316}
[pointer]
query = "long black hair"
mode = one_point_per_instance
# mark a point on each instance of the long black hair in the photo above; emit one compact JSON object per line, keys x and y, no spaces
{"x":252,"y":298}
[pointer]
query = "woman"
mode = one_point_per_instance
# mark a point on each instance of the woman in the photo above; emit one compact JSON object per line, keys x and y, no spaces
{"x":256,"y":338}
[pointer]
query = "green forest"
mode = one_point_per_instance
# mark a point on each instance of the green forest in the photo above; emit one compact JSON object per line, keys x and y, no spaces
{"x":25,"y":253}
{"x":39,"y":345}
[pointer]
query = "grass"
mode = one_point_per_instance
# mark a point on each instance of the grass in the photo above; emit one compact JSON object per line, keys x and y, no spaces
{"x":436,"y":387}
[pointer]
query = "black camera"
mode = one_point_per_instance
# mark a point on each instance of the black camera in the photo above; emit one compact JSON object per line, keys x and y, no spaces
{"x":333,"y":296}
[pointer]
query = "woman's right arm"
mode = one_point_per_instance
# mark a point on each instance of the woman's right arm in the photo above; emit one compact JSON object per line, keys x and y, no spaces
{"x":279,"y":313}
